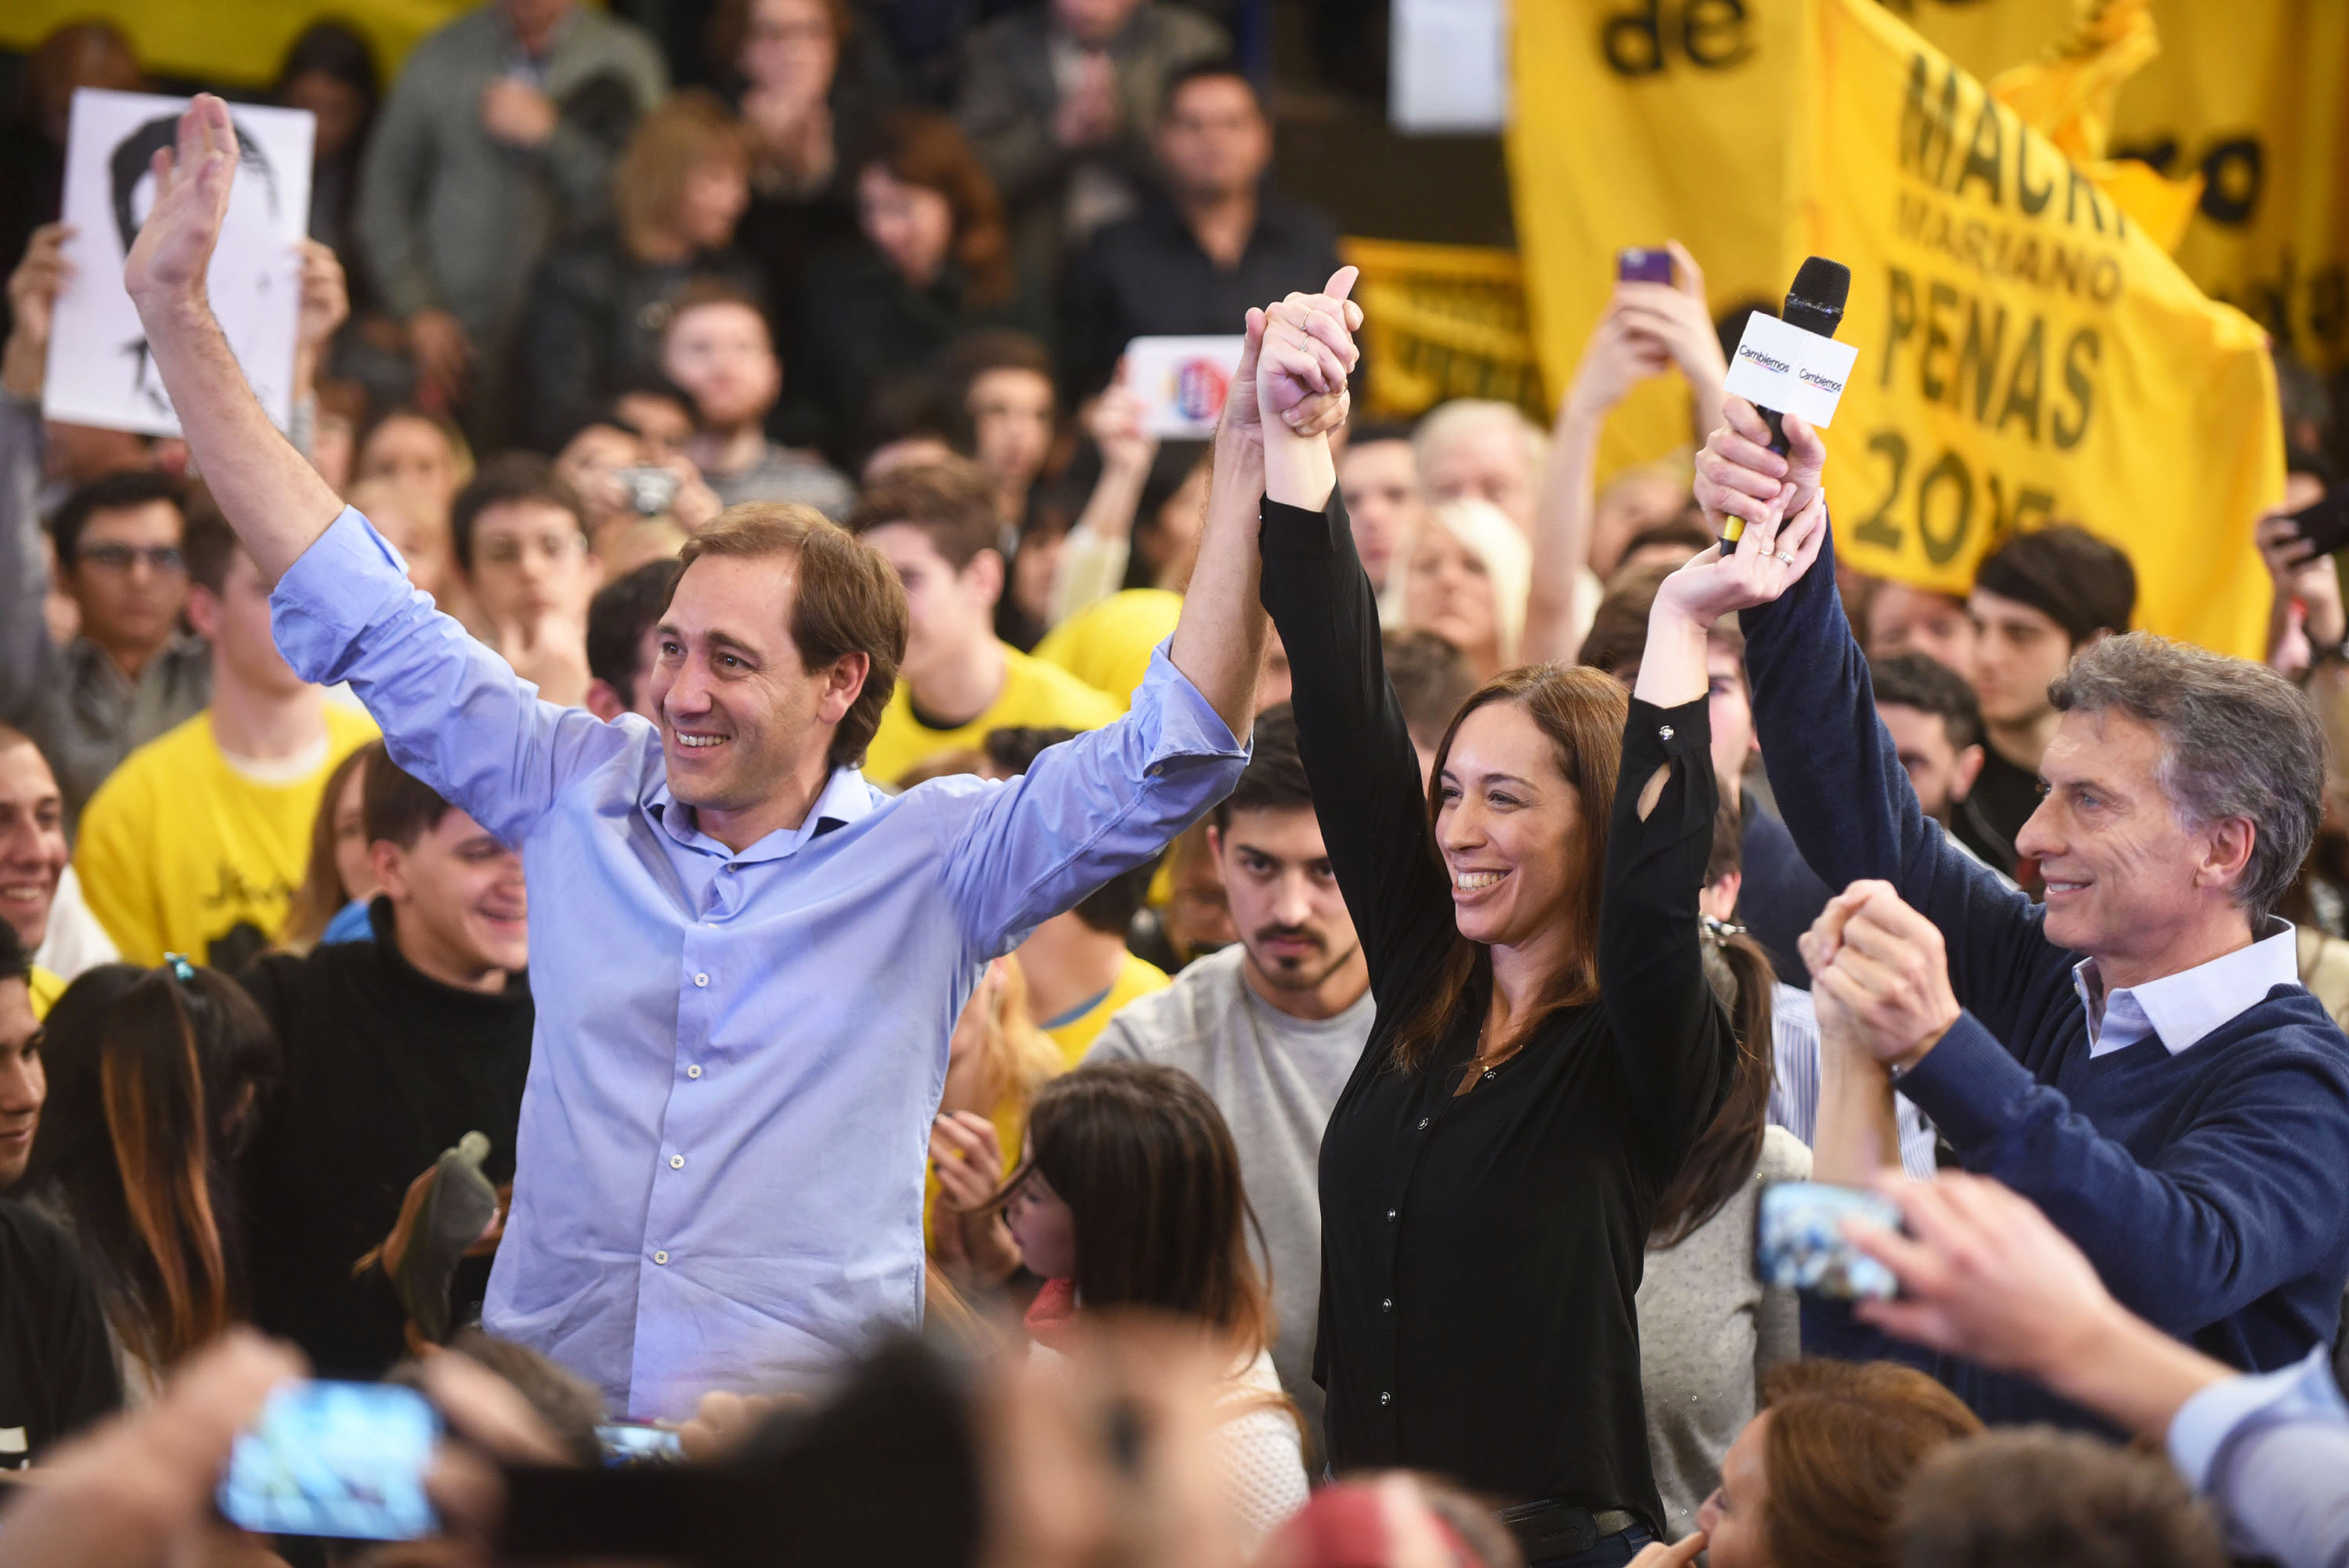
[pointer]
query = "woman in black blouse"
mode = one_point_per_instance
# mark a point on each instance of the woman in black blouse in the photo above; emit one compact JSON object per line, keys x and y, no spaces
{"x":1546,"y":1049}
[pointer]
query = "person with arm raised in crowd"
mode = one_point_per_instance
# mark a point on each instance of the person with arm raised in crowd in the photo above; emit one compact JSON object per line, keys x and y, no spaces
{"x":2136,"y":1054}
{"x":1547,"y":1050}
{"x":746,"y":960}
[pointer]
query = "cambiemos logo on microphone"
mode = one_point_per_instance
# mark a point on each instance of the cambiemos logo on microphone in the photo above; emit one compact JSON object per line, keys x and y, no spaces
{"x":1780,"y":366}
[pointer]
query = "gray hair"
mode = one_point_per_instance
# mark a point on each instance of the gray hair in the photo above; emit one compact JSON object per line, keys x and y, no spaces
{"x":2237,"y":740}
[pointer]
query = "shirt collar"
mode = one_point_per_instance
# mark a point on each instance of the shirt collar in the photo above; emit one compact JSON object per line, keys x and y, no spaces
{"x":2182,"y":1008}
{"x":846,"y":797}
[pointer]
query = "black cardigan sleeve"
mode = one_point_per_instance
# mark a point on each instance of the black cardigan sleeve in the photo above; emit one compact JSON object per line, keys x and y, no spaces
{"x":1366,"y":790}
{"x":1672,"y":1038}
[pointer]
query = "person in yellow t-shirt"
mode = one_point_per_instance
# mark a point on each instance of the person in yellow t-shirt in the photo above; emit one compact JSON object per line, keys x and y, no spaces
{"x":195,"y":844}
{"x":1107,"y":645}
{"x":937,"y":524}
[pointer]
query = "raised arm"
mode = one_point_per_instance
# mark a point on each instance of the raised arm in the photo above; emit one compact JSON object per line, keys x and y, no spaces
{"x":1838,"y":782}
{"x":1293,"y":362}
{"x":1365,"y":775}
{"x":1671,"y":1038}
{"x":274,"y":499}
{"x":453,"y":712}
{"x":1648,"y":328}
{"x":1093,"y":557}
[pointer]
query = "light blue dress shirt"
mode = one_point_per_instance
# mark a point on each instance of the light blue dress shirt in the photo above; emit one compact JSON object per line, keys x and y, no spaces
{"x":2271,"y":1451}
{"x":738,"y":1056}
{"x":2185,"y":1006}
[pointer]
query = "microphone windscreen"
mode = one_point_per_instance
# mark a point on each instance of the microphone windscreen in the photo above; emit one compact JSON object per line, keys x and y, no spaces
{"x":1815,"y":302}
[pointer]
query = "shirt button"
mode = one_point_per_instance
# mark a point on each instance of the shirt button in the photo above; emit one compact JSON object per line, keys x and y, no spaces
{"x":693,"y":1071}
{"x":701,"y":979}
{"x":1387,"y":1304}
{"x":1390,"y":1214}
{"x":1385,"y":1399}
{"x":661,"y":1257}
{"x":676,"y":1161}
{"x":1489,"y":1071}
{"x":1422,"y":1124}
{"x":1663,"y":732}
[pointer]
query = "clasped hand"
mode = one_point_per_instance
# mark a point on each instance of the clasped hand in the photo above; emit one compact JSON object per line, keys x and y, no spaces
{"x":1880,"y":975}
{"x":1294,"y":361}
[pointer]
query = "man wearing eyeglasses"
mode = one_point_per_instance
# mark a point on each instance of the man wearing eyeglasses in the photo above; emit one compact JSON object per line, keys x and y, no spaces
{"x":130,"y":673}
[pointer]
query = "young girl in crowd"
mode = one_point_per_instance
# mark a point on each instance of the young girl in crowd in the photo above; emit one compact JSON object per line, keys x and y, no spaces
{"x":1708,"y":1328}
{"x":1129,"y":1196}
{"x":1546,"y":1052}
{"x":154,"y":1075}
{"x":331,"y":905}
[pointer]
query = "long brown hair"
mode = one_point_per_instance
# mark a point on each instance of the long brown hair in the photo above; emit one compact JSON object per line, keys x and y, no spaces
{"x":1582,"y":712}
{"x":1728,"y":1151}
{"x":322,"y":894}
{"x":152,"y":1080}
{"x":1842,"y":1443}
{"x":1146,"y":1164}
{"x":922,"y":147}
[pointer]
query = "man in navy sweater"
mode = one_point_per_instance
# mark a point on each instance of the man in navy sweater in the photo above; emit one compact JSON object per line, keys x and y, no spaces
{"x":2137,"y":1056}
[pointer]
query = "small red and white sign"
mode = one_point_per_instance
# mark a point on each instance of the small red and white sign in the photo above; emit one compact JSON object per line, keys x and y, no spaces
{"x":1182,"y":382}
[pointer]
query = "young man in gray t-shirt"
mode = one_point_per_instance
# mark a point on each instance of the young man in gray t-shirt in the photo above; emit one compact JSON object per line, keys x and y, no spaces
{"x":1272,"y":1026}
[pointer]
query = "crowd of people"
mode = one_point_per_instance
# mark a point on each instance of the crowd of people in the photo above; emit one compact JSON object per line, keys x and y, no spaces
{"x":717,"y":802}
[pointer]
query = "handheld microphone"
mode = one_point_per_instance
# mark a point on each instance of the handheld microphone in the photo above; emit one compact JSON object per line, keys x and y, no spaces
{"x":1814,"y":304}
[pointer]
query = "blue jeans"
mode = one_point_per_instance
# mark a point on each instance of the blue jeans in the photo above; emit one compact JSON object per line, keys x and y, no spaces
{"x":1612,"y":1551}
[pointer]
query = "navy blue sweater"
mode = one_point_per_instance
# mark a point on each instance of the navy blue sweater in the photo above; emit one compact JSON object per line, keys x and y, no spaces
{"x":2211,"y":1188}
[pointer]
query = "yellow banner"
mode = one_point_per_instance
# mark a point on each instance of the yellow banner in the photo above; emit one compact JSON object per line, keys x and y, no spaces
{"x":2026,"y":354}
{"x":2250,"y":95}
{"x":1638,"y":121}
{"x":1443,"y":320}
{"x":232,"y":43}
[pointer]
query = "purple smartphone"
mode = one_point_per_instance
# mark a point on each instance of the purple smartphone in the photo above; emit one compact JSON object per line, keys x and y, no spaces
{"x":1636,"y":265}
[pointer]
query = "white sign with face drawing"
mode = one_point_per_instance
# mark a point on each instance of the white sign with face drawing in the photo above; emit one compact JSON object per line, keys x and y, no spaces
{"x":99,"y":371}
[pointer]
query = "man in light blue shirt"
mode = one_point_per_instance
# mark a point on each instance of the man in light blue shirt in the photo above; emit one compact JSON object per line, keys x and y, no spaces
{"x":747,"y":960}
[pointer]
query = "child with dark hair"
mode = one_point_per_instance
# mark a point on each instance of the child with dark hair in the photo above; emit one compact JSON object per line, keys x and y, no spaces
{"x":153,"y":1073}
{"x":1129,"y":1198}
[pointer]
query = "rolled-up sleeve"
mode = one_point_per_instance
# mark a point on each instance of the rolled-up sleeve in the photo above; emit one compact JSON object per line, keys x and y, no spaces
{"x":2272,"y":1452}
{"x":1090,"y":808}
{"x":453,"y":712}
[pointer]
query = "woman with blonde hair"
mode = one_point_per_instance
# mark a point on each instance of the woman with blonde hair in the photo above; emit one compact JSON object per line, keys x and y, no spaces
{"x":1466,"y":580}
{"x":597,"y":312}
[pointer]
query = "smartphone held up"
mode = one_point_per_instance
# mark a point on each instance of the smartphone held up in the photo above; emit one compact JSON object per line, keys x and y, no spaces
{"x":1799,"y":1245}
